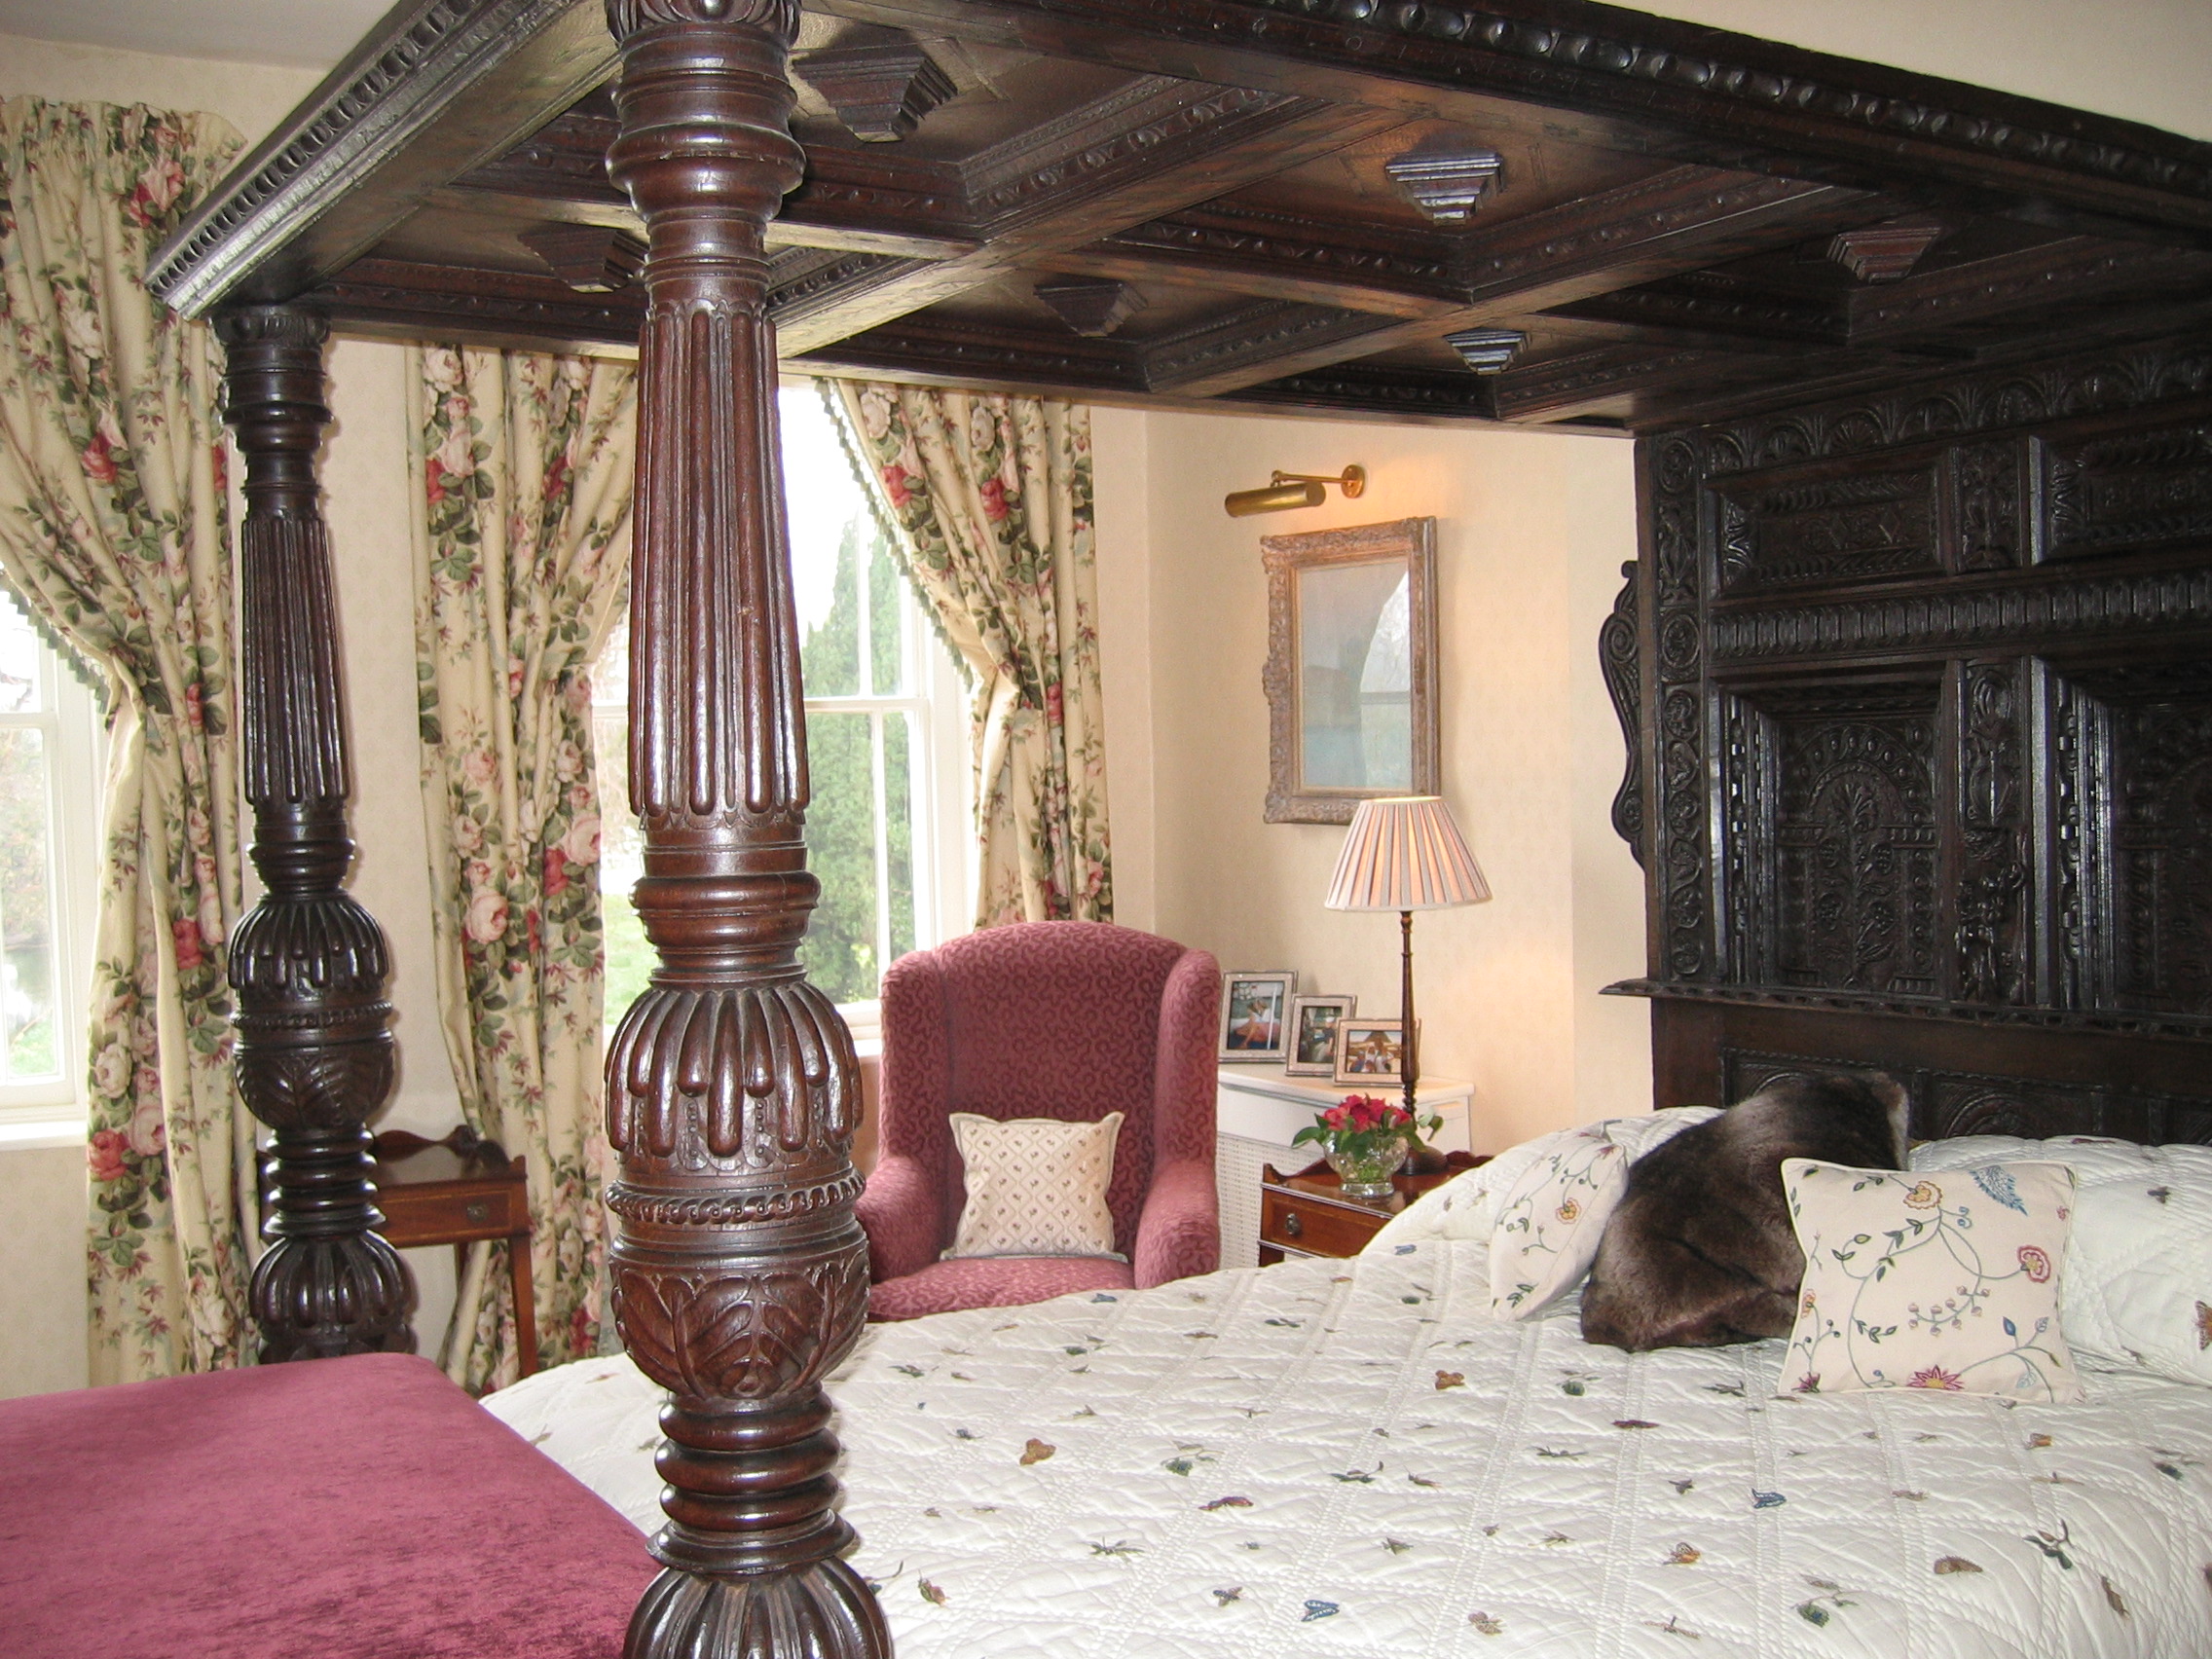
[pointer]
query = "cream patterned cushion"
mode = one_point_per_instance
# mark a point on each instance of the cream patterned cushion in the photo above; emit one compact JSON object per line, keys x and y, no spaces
{"x":2139,"y":1260}
{"x":1036,"y":1186}
{"x":1553,"y":1210}
{"x":1920,"y":1280}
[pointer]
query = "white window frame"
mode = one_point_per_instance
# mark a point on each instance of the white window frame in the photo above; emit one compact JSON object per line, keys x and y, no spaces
{"x":940,"y":829}
{"x":50,"y":1111}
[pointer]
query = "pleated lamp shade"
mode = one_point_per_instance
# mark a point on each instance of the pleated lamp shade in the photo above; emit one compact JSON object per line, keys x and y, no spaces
{"x":1404,"y":853}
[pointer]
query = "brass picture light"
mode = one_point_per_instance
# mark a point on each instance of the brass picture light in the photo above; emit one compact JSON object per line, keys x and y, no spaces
{"x":1289,"y":490}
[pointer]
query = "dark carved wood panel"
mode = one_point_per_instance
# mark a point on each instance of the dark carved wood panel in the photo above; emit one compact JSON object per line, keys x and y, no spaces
{"x":1963,"y":1079}
{"x":2127,"y":490}
{"x":1833,"y":525}
{"x":1925,"y":708}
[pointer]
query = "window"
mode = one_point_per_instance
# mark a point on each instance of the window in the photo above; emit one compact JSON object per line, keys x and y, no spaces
{"x":886,"y":743}
{"x":49,"y":770}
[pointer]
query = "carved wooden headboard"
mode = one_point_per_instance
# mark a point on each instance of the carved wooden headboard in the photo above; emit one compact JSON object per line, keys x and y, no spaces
{"x":1920,"y":689}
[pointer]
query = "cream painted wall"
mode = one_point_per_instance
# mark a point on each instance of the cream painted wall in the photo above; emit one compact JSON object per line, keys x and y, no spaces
{"x":2148,"y":60}
{"x":1530,"y":532}
{"x":42,"y":1269}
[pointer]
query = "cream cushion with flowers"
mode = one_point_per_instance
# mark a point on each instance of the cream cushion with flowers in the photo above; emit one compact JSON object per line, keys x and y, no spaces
{"x":1551,"y":1211}
{"x":1036,"y":1186}
{"x":2138,"y":1290}
{"x":1917,"y":1279}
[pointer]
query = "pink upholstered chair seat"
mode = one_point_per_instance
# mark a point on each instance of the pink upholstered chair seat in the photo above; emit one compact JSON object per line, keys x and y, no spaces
{"x":1045,"y":1019}
{"x":360,"y":1508}
{"x":994,"y":1281}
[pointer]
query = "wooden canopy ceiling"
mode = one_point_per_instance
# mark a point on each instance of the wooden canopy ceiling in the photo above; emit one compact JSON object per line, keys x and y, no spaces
{"x":1538,"y":211}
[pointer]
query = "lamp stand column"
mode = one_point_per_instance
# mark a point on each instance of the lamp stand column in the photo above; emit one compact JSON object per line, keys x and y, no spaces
{"x":1409,"y":1045}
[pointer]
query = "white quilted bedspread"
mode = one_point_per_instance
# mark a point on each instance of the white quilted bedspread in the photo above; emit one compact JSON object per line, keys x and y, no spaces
{"x":1351,"y":1460}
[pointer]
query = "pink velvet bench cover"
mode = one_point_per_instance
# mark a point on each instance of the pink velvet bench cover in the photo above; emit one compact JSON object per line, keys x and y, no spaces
{"x":360,"y":1508}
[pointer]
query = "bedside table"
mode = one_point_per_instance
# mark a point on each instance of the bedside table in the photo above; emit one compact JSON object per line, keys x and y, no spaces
{"x":457,"y":1192}
{"x":1306,"y":1214}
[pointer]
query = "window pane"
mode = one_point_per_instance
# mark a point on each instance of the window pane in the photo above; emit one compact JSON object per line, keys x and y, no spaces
{"x":899,"y":828}
{"x":886,"y":633}
{"x":830,"y":528}
{"x":18,"y":660}
{"x":26,"y":931}
{"x":840,"y":951}
{"x":830,"y":634}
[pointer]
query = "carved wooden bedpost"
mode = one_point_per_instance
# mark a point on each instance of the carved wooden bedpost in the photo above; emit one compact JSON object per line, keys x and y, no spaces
{"x":740,"y":1274}
{"x":314,"y":1052}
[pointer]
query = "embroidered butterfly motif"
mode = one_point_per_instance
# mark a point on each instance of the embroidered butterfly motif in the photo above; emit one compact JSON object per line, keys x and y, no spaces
{"x":1997,"y":1180}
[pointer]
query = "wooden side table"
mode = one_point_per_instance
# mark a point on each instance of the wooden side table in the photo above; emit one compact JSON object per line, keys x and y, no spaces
{"x":1306,"y":1214}
{"x":459,"y":1190}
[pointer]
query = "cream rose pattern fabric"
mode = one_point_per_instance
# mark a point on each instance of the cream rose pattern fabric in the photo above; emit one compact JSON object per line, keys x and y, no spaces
{"x":1946,"y":1282}
{"x":1036,"y":1186}
{"x":521,"y":565}
{"x":991,"y":498}
{"x":113,"y":530}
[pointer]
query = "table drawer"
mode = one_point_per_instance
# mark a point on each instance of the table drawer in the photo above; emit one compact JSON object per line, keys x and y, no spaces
{"x":454,"y":1215}
{"x":1315,"y":1227}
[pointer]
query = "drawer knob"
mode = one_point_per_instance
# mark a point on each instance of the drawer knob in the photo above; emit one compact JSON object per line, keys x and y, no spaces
{"x":1294,"y":1225}
{"x":478,"y":1211}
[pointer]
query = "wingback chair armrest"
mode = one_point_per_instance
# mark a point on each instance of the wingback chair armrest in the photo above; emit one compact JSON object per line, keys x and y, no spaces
{"x":899,"y":1211}
{"x":1179,"y":1232}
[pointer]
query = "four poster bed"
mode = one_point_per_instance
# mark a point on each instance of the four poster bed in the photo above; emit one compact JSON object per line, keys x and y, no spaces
{"x":1911,"y":666}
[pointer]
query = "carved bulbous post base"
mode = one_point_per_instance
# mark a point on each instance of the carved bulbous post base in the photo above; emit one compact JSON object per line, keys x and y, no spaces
{"x":329,"y":1284}
{"x":309,"y":963}
{"x":824,"y":1611}
{"x":739,"y":1273}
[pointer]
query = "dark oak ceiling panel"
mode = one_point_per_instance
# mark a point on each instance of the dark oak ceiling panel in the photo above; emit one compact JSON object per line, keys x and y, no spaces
{"x":1628,"y":223}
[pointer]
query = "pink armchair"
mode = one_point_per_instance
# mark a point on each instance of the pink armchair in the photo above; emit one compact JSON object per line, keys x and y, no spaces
{"x":1045,"y":1019}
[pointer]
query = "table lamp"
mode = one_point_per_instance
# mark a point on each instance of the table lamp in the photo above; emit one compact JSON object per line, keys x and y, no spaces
{"x":1403,"y":853}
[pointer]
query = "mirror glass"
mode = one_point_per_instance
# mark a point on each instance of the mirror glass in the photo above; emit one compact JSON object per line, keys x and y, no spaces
{"x":1355,"y":677}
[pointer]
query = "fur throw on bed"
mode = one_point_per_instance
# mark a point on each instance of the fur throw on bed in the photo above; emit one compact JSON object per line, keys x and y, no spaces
{"x":1701,"y":1251}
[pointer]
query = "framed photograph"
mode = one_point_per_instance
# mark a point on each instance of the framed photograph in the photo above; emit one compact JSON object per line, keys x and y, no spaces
{"x":1314,"y":1034}
{"x":1351,"y":668}
{"x":1370,"y":1051}
{"x":1255,"y":1015}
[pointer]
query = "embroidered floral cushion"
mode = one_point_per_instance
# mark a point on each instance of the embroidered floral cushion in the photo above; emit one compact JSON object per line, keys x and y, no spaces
{"x":1943,"y":1281}
{"x":1036,"y":1186}
{"x":1552,"y":1210}
{"x":2138,"y":1270}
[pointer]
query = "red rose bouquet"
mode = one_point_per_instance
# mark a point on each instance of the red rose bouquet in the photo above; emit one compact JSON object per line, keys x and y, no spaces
{"x":1366,"y":1139}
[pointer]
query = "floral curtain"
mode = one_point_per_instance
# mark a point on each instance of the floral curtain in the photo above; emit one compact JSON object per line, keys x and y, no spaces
{"x":991,"y":496}
{"x":521,"y":564}
{"x":112,"y":529}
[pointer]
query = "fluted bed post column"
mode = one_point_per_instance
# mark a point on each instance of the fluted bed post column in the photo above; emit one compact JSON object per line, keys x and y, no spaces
{"x":740,"y":1274}
{"x":308,"y":963}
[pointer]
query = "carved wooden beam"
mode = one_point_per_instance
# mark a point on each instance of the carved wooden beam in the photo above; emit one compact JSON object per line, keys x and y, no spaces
{"x":314,"y":1051}
{"x":436,"y":88}
{"x":1678,"y":221}
{"x":1618,"y":76}
{"x":740,"y":1276}
{"x":1154,"y":147}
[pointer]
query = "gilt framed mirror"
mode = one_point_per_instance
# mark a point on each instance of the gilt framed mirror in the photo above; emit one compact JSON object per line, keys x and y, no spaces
{"x":1351,"y":668}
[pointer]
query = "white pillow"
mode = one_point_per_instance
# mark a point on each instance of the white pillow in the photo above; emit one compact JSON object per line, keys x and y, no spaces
{"x":1036,"y":1186}
{"x":2138,"y":1274}
{"x":1465,"y":1206}
{"x":1949,"y":1279}
{"x":1549,"y":1219}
